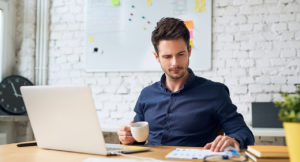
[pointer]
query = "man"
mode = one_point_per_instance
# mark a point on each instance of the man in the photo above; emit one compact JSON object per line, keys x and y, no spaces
{"x":183,"y":109}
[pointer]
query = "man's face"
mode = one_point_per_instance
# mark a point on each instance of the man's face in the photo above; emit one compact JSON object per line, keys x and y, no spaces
{"x":173,"y":56}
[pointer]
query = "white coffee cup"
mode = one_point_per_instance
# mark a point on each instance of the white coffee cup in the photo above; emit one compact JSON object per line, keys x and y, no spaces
{"x":140,"y":131}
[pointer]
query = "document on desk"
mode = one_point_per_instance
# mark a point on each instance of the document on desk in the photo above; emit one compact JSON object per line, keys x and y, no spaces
{"x":97,"y":159}
{"x":180,"y":153}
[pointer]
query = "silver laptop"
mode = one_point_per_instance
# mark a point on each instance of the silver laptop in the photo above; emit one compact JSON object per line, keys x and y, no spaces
{"x":65,"y":118}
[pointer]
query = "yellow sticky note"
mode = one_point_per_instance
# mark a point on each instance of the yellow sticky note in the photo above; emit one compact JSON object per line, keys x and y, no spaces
{"x":133,"y":147}
{"x":189,"y":24}
{"x":202,"y":8}
{"x":191,"y":43}
{"x":144,"y":28}
{"x":197,"y":5}
{"x":115,"y":2}
{"x":149,"y":2}
{"x":91,"y":39}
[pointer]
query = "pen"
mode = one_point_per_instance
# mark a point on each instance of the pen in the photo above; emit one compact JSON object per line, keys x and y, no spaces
{"x":27,"y":144}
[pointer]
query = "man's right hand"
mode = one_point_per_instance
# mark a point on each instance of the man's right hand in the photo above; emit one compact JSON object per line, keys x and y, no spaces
{"x":125,"y":136}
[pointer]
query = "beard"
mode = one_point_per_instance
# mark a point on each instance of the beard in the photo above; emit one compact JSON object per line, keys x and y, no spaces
{"x":177,"y":72}
{"x":181,"y":72}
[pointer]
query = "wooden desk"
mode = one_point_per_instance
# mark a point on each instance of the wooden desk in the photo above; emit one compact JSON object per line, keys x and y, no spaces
{"x":12,"y":153}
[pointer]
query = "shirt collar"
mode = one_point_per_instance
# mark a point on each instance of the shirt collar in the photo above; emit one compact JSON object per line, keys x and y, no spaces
{"x":186,"y":84}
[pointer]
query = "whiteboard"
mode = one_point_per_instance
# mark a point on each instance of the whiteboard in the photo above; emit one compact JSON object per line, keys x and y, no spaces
{"x":118,"y":37}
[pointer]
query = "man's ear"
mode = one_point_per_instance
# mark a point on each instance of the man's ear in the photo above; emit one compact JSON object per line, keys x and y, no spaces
{"x":156,"y":56}
{"x":190,"y":50}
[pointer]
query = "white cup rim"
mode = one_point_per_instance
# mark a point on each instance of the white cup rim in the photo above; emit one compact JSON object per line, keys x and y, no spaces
{"x":140,"y":124}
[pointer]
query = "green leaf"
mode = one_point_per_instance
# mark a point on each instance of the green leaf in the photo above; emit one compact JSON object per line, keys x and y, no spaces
{"x":289,"y":107}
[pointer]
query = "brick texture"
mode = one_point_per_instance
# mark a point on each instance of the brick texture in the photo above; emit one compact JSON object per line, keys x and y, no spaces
{"x":256,"y":50}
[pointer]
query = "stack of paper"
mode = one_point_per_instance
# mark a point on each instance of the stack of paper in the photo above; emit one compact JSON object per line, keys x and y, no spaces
{"x":268,"y":153}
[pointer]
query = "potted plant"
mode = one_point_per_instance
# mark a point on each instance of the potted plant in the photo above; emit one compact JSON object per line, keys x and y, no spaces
{"x":290,"y":115}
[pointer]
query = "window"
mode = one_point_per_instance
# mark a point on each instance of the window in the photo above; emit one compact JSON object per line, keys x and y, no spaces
{"x":3,"y":8}
{"x":1,"y":32}
{"x":7,"y":34}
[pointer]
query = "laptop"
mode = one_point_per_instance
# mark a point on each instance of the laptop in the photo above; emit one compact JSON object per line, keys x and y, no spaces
{"x":65,"y":118}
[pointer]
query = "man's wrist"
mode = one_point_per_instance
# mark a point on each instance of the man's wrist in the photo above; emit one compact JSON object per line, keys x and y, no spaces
{"x":239,"y":140}
{"x":236,"y":140}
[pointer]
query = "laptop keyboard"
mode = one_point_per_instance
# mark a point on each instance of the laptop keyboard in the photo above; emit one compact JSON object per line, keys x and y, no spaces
{"x":113,"y":147}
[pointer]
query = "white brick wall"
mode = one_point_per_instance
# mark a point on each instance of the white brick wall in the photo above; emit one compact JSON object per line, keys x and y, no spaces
{"x":256,"y":52}
{"x":25,"y":38}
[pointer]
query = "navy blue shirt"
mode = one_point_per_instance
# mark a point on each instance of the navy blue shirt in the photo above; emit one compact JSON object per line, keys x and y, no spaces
{"x":192,"y":115}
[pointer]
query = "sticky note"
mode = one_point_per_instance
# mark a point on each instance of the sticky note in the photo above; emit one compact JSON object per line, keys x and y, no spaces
{"x":202,"y":8}
{"x":189,"y":24}
{"x":149,"y":2}
{"x":91,"y":38}
{"x":115,"y":2}
{"x":144,"y":28}
{"x":197,"y":5}
{"x":191,"y":43}
{"x":133,"y":147}
{"x":191,"y":34}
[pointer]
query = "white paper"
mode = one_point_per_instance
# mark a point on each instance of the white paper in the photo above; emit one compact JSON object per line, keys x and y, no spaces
{"x":179,"y":153}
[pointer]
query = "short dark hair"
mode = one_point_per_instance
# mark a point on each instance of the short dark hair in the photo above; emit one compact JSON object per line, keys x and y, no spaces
{"x":169,"y":28}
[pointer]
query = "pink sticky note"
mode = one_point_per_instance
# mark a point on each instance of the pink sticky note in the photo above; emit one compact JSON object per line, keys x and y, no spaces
{"x":191,"y":34}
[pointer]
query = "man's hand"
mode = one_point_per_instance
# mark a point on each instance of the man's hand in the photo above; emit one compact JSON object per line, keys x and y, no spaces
{"x":221,"y":142}
{"x":125,"y":136}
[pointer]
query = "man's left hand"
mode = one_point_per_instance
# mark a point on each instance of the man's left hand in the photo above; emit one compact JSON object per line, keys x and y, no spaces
{"x":221,"y":142}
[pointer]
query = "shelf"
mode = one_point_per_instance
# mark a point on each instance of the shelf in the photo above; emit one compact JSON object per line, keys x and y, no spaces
{"x":276,"y":132}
